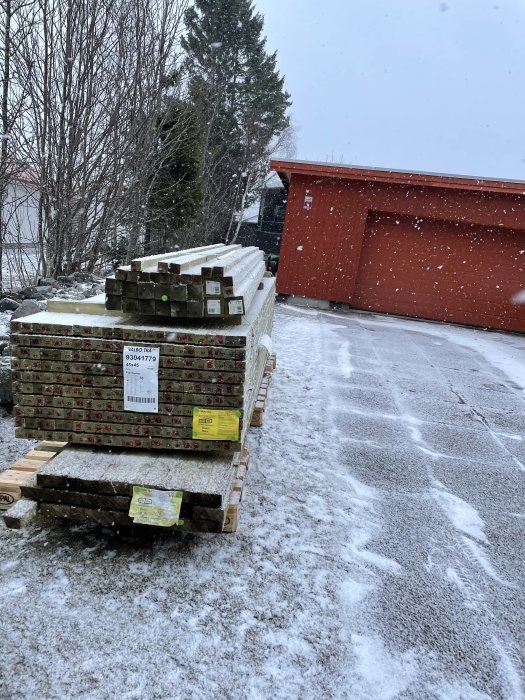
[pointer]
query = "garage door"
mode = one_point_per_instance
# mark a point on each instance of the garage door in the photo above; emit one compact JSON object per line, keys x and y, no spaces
{"x":443,"y":271}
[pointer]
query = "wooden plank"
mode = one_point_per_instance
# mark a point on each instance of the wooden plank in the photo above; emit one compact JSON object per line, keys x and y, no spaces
{"x":203,"y":269}
{"x":41,"y":455}
{"x":227,"y":263}
{"x":30,"y":490}
{"x":27,"y":465}
{"x":93,"y":306}
{"x":151,"y":261}
{"x":87,"y":414}
{"x":231,"y":521}
{"x":88,"y":374}
{"x":113,"y":302}
{"x":236,"y":273}
{"x":21,"y":514}
{"x":250,"y":285}
{"x":69,"y":327}
{"x":113,"y":286}
{"x":51,"y":446}
{"x":77,"y":469}
{"x":190,"y":260}
{"x":13,"y":476}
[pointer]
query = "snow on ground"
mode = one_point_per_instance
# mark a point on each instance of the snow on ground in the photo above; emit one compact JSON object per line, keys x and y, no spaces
{"x":5,"y":322}
{"x":379,"y":553}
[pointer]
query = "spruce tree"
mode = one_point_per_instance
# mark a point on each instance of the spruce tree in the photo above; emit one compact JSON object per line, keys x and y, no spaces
{"x":237,"y":90}
{"x":176,"y":191}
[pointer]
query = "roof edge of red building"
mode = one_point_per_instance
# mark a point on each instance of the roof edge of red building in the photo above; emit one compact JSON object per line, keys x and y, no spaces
{"x":402,"y":177}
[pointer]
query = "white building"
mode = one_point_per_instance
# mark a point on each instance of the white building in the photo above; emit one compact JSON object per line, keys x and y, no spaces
{"x":20,"y":229}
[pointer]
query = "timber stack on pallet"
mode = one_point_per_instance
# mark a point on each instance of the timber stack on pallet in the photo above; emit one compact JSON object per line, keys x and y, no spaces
{"x":215,"y":282}
{"x":94,"y":377}
{"x":96,"y":485}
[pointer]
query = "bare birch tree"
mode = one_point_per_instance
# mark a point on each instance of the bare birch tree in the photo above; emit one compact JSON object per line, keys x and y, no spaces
{"x":96,"y":72}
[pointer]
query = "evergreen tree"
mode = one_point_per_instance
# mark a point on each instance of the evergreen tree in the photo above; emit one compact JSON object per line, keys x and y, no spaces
{"x":176,"y":191}
{"x":236,"y":88}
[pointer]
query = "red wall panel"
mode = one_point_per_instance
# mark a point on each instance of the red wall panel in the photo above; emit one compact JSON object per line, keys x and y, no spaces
{"x":440,"y":270}
{"x":324,"y":247}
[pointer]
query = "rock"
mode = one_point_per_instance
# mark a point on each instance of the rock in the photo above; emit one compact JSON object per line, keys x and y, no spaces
{"x":36,"y":292}
{"x":68,"y":280}
{"x":4,"y":342}
{"x":81,"y":276}
{"x":27,"y":292}
{"x":47,"y":282}
{"x":26,"y":308}
{"x":6,"y":385}
{"x":9,"y":304}
{"x":6,"y":352}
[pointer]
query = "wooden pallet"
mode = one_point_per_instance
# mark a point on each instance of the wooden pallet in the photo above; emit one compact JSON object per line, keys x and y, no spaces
{"x":260,"y":403}
{"x":12,"y":479}
{"x":232,"y":516}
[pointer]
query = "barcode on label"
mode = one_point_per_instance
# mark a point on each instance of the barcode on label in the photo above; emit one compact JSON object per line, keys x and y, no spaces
{"x":141,"y":399}
{"x":214,"y":307}
{"x":235,"y":307}
{"x":213,"y":287}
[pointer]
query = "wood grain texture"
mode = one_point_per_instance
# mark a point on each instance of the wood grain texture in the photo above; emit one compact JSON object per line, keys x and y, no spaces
{"x":204,"y":479}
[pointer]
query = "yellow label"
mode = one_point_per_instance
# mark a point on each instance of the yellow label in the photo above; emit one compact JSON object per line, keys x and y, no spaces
{"x":216,"y":424}
{"x":154,"y":507}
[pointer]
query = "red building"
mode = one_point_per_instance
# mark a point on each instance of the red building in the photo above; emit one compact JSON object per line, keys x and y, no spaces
{"x":430,"y":246}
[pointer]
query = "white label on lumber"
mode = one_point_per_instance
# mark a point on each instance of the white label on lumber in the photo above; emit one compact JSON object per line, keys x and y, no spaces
{"x":214,"y":307}
{"x":213,"y":288}
{"x":141,"y":379}
{"x":235,"y":307}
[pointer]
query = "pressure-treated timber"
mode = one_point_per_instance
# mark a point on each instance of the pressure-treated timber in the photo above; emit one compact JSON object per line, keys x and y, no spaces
{"x":96,"y":485}
{"x":69,"y":383}
{"x":21,"y":514}
{"x":188,"y":285}
{"x":211,"y":490}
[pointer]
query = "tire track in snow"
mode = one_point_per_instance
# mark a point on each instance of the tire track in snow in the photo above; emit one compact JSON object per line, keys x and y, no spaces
{"x":469,"y":526}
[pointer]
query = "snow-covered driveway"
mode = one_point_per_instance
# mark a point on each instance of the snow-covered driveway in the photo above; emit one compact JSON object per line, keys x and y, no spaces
{"x":380,"y":552}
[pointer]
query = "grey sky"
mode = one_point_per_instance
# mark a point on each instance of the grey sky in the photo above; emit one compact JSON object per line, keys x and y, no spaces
{"x":406,"y":84}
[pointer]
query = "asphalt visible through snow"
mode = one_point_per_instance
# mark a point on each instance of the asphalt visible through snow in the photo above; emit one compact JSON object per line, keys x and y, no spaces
{"x":380,"y":552}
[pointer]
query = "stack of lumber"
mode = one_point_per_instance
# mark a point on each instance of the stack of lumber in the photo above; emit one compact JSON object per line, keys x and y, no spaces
{"x":69,"y":378}
{"x":214,"y":282}
{"x":92,"y":484}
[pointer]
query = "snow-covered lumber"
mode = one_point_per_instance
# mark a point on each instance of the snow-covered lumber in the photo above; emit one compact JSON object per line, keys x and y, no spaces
{"x":95,"y":485}
{"x":189,"y":285}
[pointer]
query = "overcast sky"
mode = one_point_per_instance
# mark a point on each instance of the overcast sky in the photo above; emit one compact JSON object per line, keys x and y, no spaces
{"x":405,"y":84}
